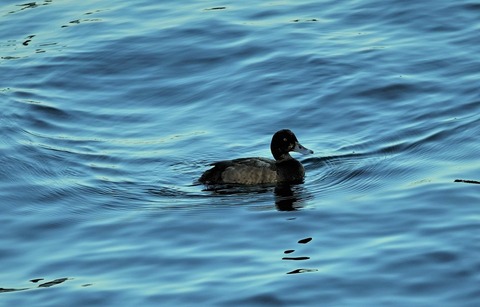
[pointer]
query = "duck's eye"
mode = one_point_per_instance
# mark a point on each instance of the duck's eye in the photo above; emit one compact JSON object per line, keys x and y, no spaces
{"x":285,"y":139}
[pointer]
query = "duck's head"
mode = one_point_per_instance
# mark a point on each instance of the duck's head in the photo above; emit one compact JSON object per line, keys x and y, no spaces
{"x":283,"y":142}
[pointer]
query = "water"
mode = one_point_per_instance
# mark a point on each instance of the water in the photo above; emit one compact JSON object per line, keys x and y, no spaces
{"x":111,"y":111}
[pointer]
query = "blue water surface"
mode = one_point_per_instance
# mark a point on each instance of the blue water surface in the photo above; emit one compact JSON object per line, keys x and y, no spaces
{"x":110,"y":111}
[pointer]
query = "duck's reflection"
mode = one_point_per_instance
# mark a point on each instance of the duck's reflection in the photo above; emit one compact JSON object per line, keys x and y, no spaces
{"x":288,"y":197}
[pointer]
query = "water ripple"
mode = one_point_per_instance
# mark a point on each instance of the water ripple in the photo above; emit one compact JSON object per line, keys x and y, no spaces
{"x":111,"y":111}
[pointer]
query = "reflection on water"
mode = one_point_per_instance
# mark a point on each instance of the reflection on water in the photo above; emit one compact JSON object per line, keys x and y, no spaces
{"x":299,"y":258}
{"x":111,"y":110}
{"x":289,"y":198}
{"x":297,"y":271}
{"x":286,"y":197}
{"x":467,"y":181}
{"x":41,"y":285}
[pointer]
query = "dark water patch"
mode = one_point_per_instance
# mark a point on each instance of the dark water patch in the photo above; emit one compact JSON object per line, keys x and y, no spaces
{"x":10,"y":58}
{"x":81,"y":21}
{"x":29,"y":5}
{"x":42,"y":285}
{"x":52,"y":283}
{"x":295,"y":258}
{"x":442,"y":256}
{"x":27,"y":40}
{"x":216,"y":8}
{"x":305,"y":241}
{"x":305,"y":20}
{"x":389,"y":92}
{"x":467,"y":181}
{"x":298,"y":271}
{"x":3,"y":290}
{"x":34,"y":114}
{"x":469,"y":6}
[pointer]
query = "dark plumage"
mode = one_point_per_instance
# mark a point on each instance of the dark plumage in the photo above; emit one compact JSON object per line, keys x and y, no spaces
{"x":262,"y":170}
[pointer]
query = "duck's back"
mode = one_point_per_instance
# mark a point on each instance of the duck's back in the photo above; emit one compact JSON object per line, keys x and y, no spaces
{"x":241,"y":171}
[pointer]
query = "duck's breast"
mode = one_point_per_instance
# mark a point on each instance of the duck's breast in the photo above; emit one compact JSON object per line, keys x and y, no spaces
{"x":290,"y":171}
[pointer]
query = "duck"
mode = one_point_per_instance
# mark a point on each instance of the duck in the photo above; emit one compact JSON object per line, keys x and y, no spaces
{"x":258,"y":170}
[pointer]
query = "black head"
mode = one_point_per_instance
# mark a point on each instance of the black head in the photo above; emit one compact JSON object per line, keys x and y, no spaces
{"x":283,"y":142}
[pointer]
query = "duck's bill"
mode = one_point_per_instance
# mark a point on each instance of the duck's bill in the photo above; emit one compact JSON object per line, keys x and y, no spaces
{"x":303,"y":150}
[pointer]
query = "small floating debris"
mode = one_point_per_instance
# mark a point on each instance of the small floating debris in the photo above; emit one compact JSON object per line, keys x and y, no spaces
{"x":305,"y":241}
{"x":467,"y":181}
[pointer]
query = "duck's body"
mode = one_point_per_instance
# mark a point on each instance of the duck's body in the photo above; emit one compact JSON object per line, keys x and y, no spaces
{"x":262,"y":170}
